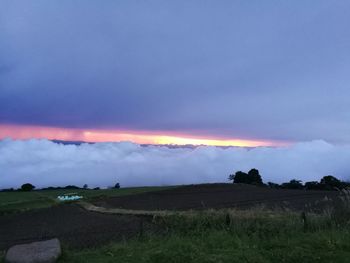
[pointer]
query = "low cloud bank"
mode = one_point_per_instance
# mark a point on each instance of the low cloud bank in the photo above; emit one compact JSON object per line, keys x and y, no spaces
{"x":45,"y":163}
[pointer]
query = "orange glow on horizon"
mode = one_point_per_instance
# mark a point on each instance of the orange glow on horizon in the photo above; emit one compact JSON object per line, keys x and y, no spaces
{"x":39,"y":132}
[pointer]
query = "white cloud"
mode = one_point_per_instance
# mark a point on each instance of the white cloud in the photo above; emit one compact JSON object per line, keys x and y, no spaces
{"x":44,"y":163}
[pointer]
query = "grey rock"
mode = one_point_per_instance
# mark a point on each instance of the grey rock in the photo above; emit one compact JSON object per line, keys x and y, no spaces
{"x":37,"y":252}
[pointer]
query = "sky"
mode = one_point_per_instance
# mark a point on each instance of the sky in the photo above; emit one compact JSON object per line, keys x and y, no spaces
{"x":271,"y":76}
{"x":245,"y":73}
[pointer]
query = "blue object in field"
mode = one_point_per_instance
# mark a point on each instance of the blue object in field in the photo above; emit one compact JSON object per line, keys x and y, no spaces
{"x":69,"y":197}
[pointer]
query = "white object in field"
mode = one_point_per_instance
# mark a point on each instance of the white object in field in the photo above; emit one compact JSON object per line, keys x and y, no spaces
{"x":69,"y":197}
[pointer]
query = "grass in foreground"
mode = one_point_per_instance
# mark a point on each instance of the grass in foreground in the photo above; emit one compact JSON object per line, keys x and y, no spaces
{"x":18,"y":201}
{"x":230,"y":236}
{"x":222,"y":246}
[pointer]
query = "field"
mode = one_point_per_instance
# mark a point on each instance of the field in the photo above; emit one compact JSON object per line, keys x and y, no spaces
{"x":204,"y":223}
{"x":74,"y":226}
{"x":217,"y":196}
{"x":22,"y":201}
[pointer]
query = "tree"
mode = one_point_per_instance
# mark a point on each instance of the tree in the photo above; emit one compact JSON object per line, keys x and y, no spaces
{"x":85,"y":186}
{"x":273,"y":185}
{"x":231,"y":177}
{"x":7,"y":190}
{"x":254,"y":177}
{"x":240,"y":178}
{"x":313,"y":185}
{"x":293,"y":184}
{"x":117,"y":186}
{"x":330,"y":182}
{"x":71,"y":187}
{"x":27,"y":187}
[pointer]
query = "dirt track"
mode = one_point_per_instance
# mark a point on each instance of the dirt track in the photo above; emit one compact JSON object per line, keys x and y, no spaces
{"x":219,"y":196}
{"x":73,"y":225}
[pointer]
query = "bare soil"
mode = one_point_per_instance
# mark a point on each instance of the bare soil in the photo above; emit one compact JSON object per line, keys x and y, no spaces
{"x":72,"y":225}
{"x":218,"y":196}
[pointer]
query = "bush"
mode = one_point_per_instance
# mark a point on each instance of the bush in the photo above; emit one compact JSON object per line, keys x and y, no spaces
{"x":27,"y":187}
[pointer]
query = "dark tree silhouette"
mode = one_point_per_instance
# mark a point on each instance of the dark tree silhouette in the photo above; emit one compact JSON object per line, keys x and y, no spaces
{"x":273,"y":185}
{"x":313,"y":185}
{"x":240,"y":178}
{"x":71,"y":187}
{"x":27,"y":187}
{"x":117,"y":186}
{"x":231,"y":177}
{"x":293,"y":184}
{"x":330,"y":182}
{"x":254,"y":177}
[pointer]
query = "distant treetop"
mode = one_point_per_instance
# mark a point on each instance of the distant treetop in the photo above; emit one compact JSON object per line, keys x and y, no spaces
{"x":252,"y":177}
{"x":27,"y":187}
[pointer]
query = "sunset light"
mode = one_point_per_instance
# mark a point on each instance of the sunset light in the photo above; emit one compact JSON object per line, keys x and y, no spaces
{"x":51,"y":133}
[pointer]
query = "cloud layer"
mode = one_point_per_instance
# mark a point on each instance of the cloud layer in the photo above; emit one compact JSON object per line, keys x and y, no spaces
{"x":44,"y":163}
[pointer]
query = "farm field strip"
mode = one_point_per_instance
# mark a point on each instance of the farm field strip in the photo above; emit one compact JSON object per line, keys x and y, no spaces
{"x":219,"y":196}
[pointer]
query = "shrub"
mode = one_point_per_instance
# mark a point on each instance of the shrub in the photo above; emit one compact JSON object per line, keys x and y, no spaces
{"x":27,"y":187}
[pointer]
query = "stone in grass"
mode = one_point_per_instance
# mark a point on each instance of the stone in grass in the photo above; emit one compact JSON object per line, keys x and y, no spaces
{"x":37,"y":252}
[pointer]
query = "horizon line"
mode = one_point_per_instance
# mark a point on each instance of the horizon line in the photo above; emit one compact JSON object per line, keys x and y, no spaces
{"x":20,"y":132}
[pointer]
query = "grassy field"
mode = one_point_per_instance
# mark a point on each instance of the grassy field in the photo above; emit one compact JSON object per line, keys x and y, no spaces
{"x":17,"y":201}
{"x":251,"y":236}
{"x":227,"y":235}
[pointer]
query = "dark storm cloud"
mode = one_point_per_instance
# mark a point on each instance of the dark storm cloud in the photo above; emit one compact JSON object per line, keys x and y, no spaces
{"x":252,"y":69}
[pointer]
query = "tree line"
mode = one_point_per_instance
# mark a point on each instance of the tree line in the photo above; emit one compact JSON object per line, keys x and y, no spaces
{"x":253,"y":177}
{"x":27,"y":187}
